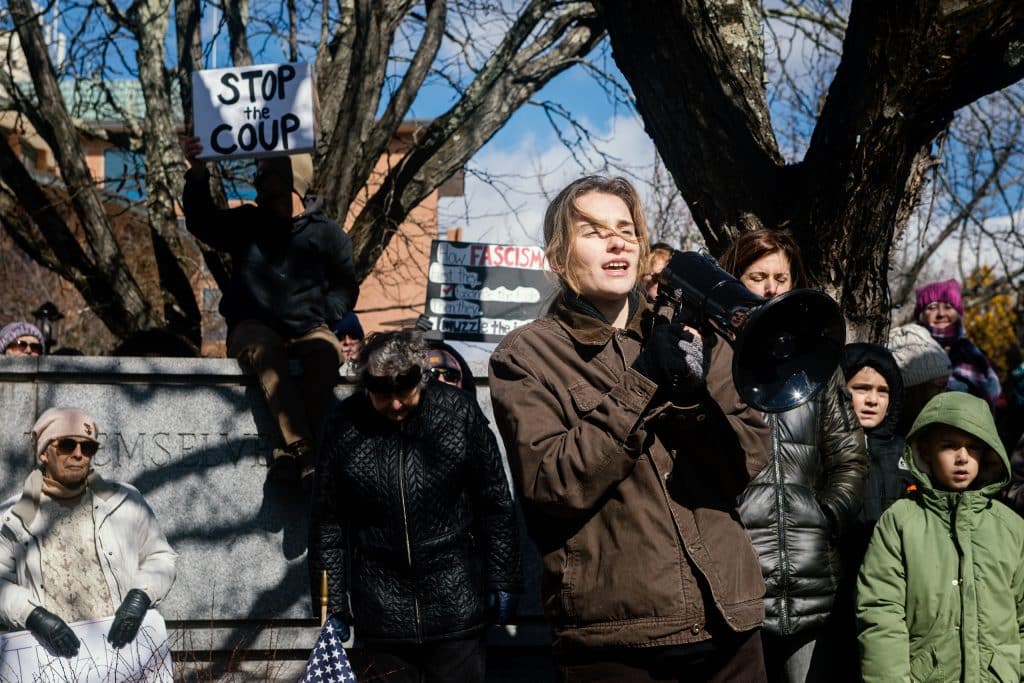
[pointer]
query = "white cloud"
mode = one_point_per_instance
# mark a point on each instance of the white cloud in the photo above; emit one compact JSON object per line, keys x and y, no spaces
{"x":508,"y":189}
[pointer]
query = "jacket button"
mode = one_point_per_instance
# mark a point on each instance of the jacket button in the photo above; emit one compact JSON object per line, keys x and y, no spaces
{"x":701,"y":417}
{"x":695,"y":629}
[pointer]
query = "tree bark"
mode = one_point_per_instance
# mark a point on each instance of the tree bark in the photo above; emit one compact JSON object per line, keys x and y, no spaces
{"x":126,"y":308}
{"x":190,"y":59}
{"x":905,"y":68}
{"x":529,"y":56}
{"x":33,"y":221}
{"x":164,"y":170}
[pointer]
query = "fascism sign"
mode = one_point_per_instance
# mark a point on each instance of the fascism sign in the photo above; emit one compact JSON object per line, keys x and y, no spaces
{"x":254,"y":111}
{"x":480,"y":292}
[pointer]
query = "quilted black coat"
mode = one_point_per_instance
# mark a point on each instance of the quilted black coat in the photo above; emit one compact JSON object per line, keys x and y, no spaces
{"x":801,"y":502}
{"x":414,"y":519}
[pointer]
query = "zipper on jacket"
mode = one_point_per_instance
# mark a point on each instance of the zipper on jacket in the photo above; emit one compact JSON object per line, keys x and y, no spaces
{"x":781,"y":527}
{"x":408,"y":542}
{"x":959,"y":575}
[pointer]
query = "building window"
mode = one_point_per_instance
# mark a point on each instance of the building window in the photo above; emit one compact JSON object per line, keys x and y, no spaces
{"x":124,"y":173}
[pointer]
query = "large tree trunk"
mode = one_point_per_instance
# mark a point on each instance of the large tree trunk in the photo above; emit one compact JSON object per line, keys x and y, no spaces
{"x":906,"y":66}
{"x":124,"y":308}
{"x":164,"y":182}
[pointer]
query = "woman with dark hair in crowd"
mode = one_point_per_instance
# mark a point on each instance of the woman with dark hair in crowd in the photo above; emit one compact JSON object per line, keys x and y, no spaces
{"x":797,"y":507}
{"x":629,"y":445}
{"x":413,"y":520}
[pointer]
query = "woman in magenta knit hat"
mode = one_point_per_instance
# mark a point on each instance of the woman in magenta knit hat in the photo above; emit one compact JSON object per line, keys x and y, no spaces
{"x":940,"y":308}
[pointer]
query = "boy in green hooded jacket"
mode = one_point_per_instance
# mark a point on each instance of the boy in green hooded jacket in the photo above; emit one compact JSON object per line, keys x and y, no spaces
{"x":940,"y":596}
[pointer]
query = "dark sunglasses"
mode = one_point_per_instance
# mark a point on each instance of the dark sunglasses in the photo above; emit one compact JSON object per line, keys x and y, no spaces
{"x":388,"y":384}
{"x":448,"y":374}
{"x":35,"y":347}
{"x":67,"y":447}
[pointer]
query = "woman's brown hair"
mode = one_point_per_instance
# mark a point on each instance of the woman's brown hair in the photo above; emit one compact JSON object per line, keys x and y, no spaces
{"x":562,"y":213}
{"x":750,"y":246}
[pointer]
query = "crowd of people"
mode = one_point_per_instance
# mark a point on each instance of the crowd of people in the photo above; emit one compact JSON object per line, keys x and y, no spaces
{"x":873,"y":532}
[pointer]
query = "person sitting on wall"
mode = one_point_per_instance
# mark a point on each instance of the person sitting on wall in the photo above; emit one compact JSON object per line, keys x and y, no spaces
{"x":64,"y":516}
{"x":292,"y":280}
{"x":21,"y":339}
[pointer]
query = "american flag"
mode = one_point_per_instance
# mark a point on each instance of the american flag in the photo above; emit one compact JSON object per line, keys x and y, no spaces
{"x":328,"y":662}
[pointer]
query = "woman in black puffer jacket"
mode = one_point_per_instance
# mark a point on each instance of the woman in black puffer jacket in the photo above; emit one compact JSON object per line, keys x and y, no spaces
{"x":413,"y":520}
{"x":797,"y":507}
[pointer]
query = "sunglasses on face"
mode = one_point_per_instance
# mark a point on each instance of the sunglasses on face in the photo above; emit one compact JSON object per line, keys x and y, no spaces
{"x":27,"y":346}
{"x":446,"y":374}
{"x":391,"y":385}
{"x":68,"y":446}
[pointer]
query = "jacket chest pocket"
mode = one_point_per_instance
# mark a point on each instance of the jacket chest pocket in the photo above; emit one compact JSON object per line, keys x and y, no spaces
{"x":584,"y":396}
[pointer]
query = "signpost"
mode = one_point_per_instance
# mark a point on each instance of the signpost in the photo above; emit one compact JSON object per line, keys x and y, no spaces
{"x":481,"y":292}
{"x":252,"y":111}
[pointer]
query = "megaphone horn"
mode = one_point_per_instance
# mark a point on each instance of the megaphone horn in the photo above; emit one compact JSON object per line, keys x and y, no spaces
{"x":785,"y":349}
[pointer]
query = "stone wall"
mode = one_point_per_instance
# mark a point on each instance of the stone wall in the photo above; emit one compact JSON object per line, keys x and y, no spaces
{"x":194,"y":437}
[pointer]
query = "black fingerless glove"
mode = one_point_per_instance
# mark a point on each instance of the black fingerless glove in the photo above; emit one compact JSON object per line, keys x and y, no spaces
{"x":674,"y":360}
{"x":128,"y":618}
{"x":52,"y":632}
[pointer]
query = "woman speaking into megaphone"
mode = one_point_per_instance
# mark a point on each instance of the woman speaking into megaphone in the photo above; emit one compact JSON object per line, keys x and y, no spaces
{"x":798,"y":505}
{"x":628,"y":444}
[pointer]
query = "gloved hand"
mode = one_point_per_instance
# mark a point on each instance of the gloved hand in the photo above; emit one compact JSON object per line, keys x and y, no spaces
{"x":52,"y":632}
{"x":128,"y":618}
{"x":501,"y":607}
{"x":341,"y":626}
{"x":672,"y":358}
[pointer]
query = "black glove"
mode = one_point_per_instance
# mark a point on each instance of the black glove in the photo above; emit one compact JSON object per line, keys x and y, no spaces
{"x":342,"y":626}
{"x":501,"y":607}
{"x":52,"y":632}
{"x":673,"y":359}
{"x":128,"y":618}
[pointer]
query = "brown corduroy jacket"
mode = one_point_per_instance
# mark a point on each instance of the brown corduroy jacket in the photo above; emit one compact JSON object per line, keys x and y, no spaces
{"x":630,"y":500}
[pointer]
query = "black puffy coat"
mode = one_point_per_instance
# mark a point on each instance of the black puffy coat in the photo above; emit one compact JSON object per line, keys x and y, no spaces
{"x":797,"y":506}
{"x":414,"y":518}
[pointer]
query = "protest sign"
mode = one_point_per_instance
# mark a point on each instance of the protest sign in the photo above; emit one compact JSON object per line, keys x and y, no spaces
{"x":254,"y":110}
{"x":481,"y":292}
{"x":147,"y":658}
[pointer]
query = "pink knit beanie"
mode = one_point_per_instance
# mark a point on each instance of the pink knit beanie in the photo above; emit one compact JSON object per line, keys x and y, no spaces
{"x":56,"y":423}
{"x":947,"y":290}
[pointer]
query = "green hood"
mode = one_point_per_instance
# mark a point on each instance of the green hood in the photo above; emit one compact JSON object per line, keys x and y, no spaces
{"x":967,"y":413}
